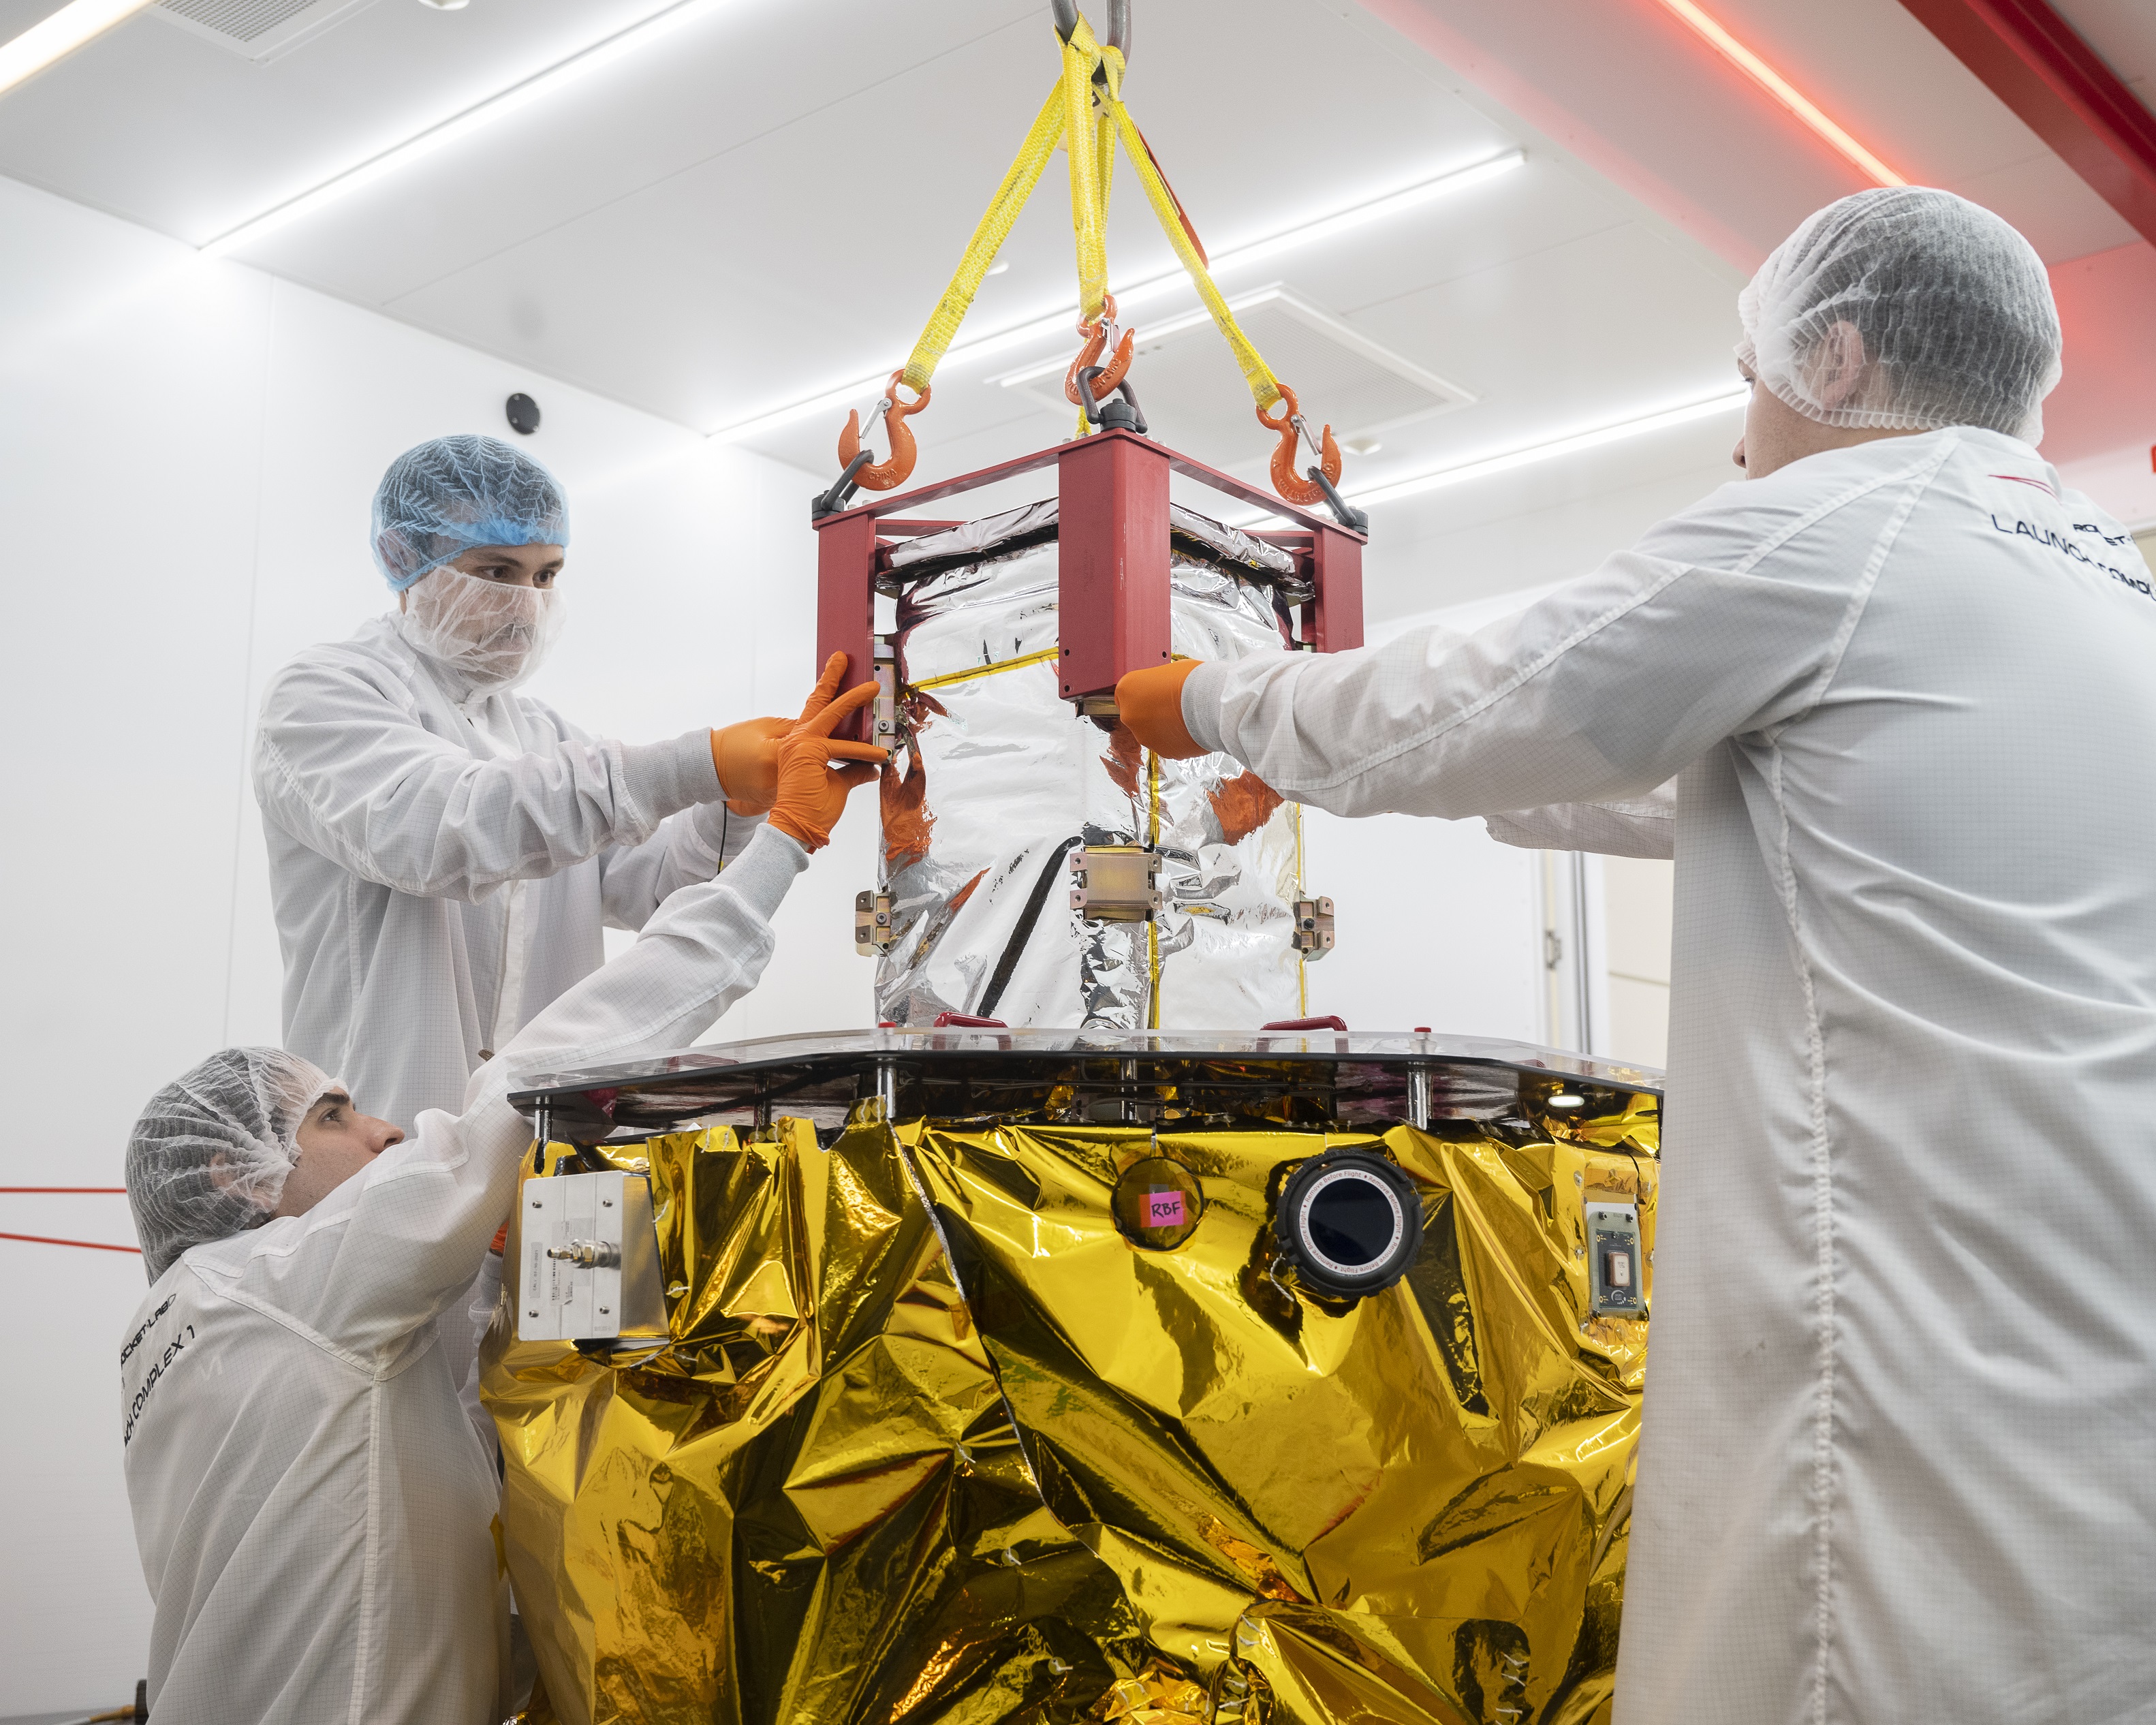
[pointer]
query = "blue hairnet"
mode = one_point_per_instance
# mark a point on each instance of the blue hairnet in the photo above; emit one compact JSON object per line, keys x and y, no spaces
{"x":454,"y":495}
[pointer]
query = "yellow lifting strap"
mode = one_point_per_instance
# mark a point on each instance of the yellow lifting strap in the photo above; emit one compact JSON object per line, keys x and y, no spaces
{"x":1068,"y":117}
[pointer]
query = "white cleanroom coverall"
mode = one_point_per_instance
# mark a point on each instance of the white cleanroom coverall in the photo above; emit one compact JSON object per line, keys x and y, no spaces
{"x":442,"y":867}
{"x":312,"y":1508}
{"x":1901,"y":1405}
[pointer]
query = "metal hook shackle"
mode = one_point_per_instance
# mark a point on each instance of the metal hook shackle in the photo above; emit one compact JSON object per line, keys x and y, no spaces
{"x":1065,"y":14}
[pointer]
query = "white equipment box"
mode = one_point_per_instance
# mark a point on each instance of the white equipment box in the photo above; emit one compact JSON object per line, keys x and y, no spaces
{"x":588,"y":1256}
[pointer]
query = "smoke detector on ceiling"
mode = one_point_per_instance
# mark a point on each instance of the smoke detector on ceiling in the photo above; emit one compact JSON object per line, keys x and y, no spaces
{"x":260,"y":29}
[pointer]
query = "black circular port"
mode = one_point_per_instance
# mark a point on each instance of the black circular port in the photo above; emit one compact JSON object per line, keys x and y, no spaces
{"x":1349,"y":1222}
{"x":523,"y":415}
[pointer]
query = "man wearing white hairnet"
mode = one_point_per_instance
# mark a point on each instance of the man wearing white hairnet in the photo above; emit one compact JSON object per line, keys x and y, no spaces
{"x":1894,"y":1461}
{"x":312,"y":1509}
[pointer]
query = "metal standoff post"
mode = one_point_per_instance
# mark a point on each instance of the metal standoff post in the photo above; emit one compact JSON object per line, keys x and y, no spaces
{"x":1419,"y":1097}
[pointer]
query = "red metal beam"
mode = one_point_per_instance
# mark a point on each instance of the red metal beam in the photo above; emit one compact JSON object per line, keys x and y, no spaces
{"x":1111,"y":561}
{"x":1227,"y":484}
{"x":846,"y":604}
{"x":2032,"y":61}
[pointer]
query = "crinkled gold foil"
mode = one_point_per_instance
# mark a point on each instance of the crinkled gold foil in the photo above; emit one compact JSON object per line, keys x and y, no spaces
{"x":933,"y":1441}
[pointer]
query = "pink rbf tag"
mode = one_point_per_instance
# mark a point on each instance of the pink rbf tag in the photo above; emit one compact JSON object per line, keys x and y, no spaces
{"x":1163,"y":1210}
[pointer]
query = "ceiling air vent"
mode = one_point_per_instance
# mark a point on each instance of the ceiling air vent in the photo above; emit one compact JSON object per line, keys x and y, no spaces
{"x":260,"y":29}
{"x":1196,"y":401}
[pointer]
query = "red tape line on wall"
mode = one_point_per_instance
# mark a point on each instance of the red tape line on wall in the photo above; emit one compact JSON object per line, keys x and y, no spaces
{"x":93,"y":1246}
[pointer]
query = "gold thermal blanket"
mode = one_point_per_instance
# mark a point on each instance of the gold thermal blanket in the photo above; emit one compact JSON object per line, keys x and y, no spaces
{"x":935,"y":1437}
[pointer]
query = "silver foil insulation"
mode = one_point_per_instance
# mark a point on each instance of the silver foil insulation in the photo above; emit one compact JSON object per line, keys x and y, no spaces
{"x":1001,"y":781}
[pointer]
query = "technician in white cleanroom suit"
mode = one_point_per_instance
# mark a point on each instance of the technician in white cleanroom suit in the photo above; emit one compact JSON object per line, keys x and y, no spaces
{"x":312,"y":1511}
{"x":1897,"y":1451}
{"x":444,"y":851}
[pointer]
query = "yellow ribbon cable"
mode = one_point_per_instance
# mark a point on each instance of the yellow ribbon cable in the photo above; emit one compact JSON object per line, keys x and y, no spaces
{"x":973,"y":671}
{"x":995,"y":226}
{"x":1152,"y":923}
{"x":1302,"y":960}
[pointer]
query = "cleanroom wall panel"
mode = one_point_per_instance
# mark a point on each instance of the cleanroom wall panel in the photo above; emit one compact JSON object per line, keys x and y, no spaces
{"x":1438,"y":925}
{"x":129,"y":453}
{"x":189,"y":453}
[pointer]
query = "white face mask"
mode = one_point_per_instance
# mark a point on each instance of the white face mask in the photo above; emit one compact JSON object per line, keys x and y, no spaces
{"x":489,"y":634}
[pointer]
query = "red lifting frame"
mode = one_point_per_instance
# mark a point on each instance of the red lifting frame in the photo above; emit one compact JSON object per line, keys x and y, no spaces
{"x":1112,"y":576}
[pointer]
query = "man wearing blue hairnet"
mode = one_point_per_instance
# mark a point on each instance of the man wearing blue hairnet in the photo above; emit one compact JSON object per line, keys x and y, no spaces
{"x":444,"y":850}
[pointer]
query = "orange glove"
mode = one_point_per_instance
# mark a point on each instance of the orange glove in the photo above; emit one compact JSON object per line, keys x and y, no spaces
{"x":810,"y":796}
{"x":1151,"y":703}
{"x":746,"y":754}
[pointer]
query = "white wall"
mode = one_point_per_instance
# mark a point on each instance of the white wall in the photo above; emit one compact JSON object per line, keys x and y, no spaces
{"x":1638,"y":892}
{"x":187,"y":449}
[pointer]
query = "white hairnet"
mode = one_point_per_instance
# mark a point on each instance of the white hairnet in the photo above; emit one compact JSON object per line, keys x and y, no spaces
{"x":444,"y":498}
{"x":1953,"y":306}
{"x":208,"y":1158}
{"x":490,"y":634}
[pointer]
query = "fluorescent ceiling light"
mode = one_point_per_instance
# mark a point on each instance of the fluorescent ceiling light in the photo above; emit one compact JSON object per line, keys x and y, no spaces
{"x":552,"y":81}
{"x":58,"y":35}
{"x":1059,"y":323}
{"x":1485,"y":466}
{"x":1783,"y":91}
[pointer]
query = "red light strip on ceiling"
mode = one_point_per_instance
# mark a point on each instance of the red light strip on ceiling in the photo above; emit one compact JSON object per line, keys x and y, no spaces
{"x":1784,"y":92}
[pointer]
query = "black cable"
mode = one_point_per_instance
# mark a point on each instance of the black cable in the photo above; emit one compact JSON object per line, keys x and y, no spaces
{"x":1008,"y":964}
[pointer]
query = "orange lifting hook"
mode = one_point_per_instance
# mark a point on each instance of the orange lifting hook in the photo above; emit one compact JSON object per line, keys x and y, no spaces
{"x":1286,"y":480}
{"x":1096,"y":338}
{"x":882,"y":475}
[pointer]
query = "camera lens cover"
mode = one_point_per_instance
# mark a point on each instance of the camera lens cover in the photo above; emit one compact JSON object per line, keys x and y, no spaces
{"x":1350,"y":1223}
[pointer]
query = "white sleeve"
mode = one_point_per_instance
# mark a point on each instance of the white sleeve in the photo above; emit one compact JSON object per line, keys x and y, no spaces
{"x":634,"y":880}
{"x":1643,"y":826}
{"x":1724,"y":621}
{"x":387,"y":1253}
{"x":344,"y":766}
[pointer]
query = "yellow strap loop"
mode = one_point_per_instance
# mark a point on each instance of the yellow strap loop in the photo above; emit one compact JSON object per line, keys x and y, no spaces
{"x":1265,"y":390}
{"x":1088,"y":192}
{"x":995,"y":225}
{"x":1069,"y":116}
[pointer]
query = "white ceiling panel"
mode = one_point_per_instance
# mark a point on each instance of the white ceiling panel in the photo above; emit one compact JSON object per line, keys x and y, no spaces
{"x":1878,"y":71}
{"x":157,"y":125}
{"x":707,"y":108}
{"x":2122,"y":32}
{"x":766,"y":203}
{"x":812,"y":252}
